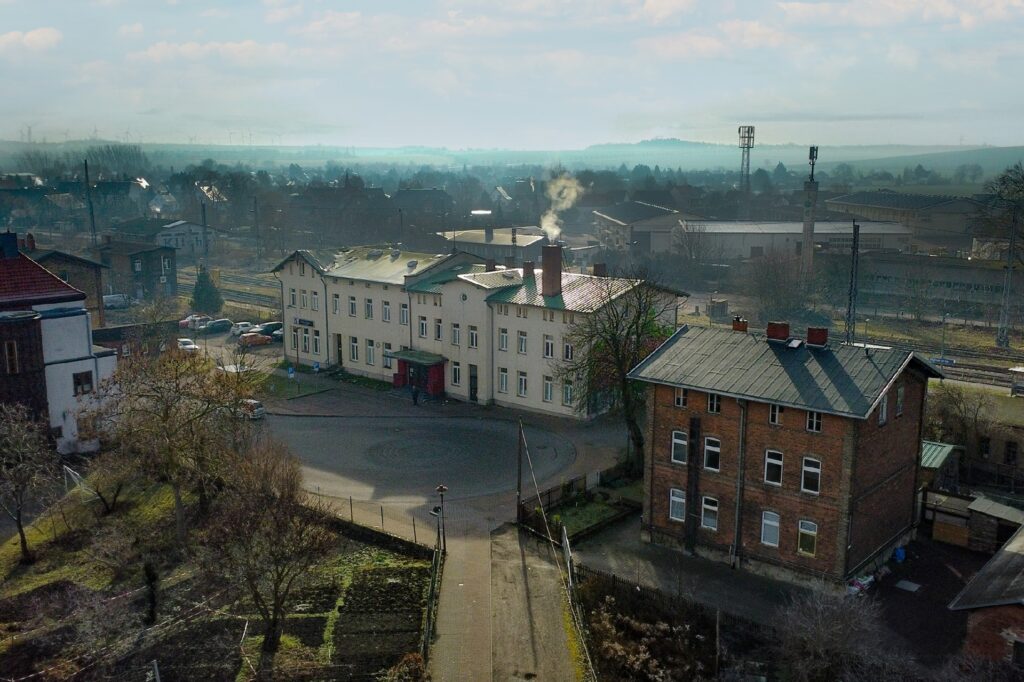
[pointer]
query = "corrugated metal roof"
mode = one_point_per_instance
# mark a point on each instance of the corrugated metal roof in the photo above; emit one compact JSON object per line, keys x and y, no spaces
{"x":629,"y":212}
{"x":843,"y":380}
{"x":983,"y":505}
{"x":368,"y":264}
{"x":1000,"y":581}
{"x":792,"y":227}
{"x":580,"y":293}
{"x":525,"y":236}
{"x":433,"y":283}
{"x":934,"y":455}
{"x":496,"y":279}
{"x":884,"y":198}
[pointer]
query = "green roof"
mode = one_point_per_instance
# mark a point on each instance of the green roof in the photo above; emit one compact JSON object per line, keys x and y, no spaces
{"x":431,"y":284}
{"x":368,"y":263}
{"x":842,"y":380}
{"x":496,"y":279}
{"x":580,"y":293}
{"x":934,"y":455}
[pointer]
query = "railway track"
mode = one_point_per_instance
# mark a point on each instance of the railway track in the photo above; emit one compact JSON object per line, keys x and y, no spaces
{"x":235,"y":296}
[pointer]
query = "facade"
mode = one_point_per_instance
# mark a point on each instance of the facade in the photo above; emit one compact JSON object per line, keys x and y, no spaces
{"x":719,"y":240}
{"x":48,"y":360}
{"x":190,"y":239}
{"x":142,"y":271}
{"x":936,"y":221}
{"x":450,"y":325}
{"x":84,"y":274}
{"x":635,"y":225}
{"x":787,"y":456}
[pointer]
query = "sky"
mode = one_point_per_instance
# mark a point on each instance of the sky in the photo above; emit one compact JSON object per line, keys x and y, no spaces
{"x":515,"y":74}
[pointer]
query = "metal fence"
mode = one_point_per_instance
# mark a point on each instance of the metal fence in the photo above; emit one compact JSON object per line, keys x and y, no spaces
{"x":433,"y":596}
{"x":552,"y":497}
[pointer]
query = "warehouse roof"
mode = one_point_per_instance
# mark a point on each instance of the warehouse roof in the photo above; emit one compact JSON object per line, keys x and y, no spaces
{"x":502,"y":236}
{"x":629,"y":212}
{"x":843,"y":380}
{"x":886,"y":198}
{"x":999,"y":582}
{"x":793,"y":227}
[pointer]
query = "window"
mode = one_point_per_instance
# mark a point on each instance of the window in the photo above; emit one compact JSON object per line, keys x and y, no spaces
{"x":568,"y":394}
{"x":714,"y":403}
{"x":814,"y":422}
{"x":403,"y":314}
{"x":883,"y":410}
{"x":370,"y":354}
{"x":474,"y":336}
{"x":807,"y":543}
{"x":567,"y":351}
{"x":388,"y":360}
{"x":503,"y":309}
{"x":502,"y":339}
{"x":680,"y":446}
{"x":138,"y":266}
{"x":316,"y":342}
{"x":775,"y":414}
{"x":568,"y":318}
{"x":423,"y":327}
{"x":985,"y":446}
{"x":681,"y":396}
{"x":456,"y":374}
{"x":302,"y":269}
{"x":522,"y":342}
{"x":549,"y":315}
{"x":316,"y":300}
{"x":1010,"y":453}
{"x":353,"y":348}
{"x":677,"y":505}
{"x":351,"y":306}
{"x":456,"y":334}
{"x":549,"y":389}
{"x":900,"y":394}
{"x":82,"y":382}
{"x":522,"y":384}
{"x":165,"y":264}
{"x":385,"y":311}
{"x":810,"y":480}
{"x":368,"y":308}
{"x":305,"y":340}
{"x":438,"y":329}
{"x":770,"y":529}
{"x":549,"y":346}
{"x":336,"y":304}
{"x":502,"y":380}
{"x":712,"y":453}
{"x":709,"y":513}
{"x":304,"y":299}
{"x":295,"y":339}
{"x":11,"y":357}
{"x":291,"y":297}
{"x":520,"y":311}
{"x":773,"y":467}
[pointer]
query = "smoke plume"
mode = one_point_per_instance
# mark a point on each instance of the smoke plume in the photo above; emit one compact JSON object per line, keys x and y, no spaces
{"x":563,"y":191}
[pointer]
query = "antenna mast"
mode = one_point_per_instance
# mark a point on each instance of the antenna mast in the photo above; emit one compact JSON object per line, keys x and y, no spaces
{"x":851,"y":304}
{"x":88,"y":201}
{"x":810,"y":205}
{"x":746,"y":144}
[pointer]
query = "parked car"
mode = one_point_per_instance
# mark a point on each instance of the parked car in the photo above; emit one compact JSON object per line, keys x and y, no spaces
{"x":239,"y":328}
{"x":278,"y":336}
{"x":253,"y":339}
{"x":115,"y":301}
{"x":193,"y":321}
{"x":250,"y":409}
{"x":216,"y":326}
{"x":187,"y":346}
{"x":267,"y":328}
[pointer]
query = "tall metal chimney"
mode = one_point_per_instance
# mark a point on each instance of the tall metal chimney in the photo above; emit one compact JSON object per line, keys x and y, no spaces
{"x":551,"y":262}
{"x":810,"y":203}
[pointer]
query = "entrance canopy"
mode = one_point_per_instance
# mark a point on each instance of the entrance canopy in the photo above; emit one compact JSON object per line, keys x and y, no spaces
{"x":420,"y":358}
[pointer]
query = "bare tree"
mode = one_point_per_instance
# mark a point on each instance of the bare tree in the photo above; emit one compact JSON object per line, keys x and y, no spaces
{"x":959,"y":415}
{"x":26,"y":462}
{"x":267,"y":536}
{"x":635,"y":317}
{"x":690,"y":240}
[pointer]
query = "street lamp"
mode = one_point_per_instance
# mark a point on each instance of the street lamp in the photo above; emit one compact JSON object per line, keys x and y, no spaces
{"x":441,"y":490}
{"x":436,"y":513}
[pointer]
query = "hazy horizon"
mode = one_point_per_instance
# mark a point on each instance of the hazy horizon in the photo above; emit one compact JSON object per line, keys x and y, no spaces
{"x":529,"y":75}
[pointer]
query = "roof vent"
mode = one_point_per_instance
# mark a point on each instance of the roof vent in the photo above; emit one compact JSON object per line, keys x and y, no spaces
{"x":508,"y":274}
{"x":794,"y":343}
{"x":412,"y":263}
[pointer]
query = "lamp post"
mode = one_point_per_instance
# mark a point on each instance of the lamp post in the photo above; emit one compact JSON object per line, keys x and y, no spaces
{"x":436,"y":513}
{"x":942,"y":353}
{"x":441,"y":490}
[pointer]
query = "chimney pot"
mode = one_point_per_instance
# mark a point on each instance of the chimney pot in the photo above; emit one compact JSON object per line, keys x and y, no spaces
{"x":600,"y":270}
{"x":817,"y":336}
{"x":778,"y":331}
{"x":30,"y":242}
{"x":21,"y":243}
{"x":739,"y":324}
{"x":527,"y":269}
{"x":551,"y":278}
{"x":490,"y":265}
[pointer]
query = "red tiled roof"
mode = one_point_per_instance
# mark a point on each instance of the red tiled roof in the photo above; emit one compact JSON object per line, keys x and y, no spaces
{"x":23,"y":281}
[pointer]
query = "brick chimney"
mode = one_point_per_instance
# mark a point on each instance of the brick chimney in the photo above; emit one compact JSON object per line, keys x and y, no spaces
{"x":739,"y":324}
{"x":9,"y":245}
{"x":600,"y":270}
{"x":527,"y":269}
{"x":490,"y":265}
{"x":817,"y":336}
{"x":30,"y":242}
{"x":778,"y":331}
{"x":551,"y":277}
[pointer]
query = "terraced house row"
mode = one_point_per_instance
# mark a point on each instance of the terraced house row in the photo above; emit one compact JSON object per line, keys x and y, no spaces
{"x":790,"y":456}
{"x":451,"y":324}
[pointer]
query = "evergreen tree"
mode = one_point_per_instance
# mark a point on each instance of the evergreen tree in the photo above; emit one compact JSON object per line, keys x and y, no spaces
{"x":205,"y":296}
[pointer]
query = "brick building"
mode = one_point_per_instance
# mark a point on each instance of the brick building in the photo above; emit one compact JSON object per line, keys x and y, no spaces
{"x":787,"y":456}
{"x":84,"y":274}
{"x":142,"y":271}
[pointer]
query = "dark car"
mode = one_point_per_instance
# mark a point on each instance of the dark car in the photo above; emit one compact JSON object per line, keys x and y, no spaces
{"x":267,"y":328}
{"x":216,"y":326}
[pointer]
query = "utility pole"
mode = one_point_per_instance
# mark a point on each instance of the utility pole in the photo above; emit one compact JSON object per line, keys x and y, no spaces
{"x":88,"y":201}
{"x":1003,"y":333}
{"x":256,"y":227}
{"x":519,"y":473}
{"x":206,"y":238}
{"x":851,"y":304}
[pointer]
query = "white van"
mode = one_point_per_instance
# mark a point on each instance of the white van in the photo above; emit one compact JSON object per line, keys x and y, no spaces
{"x":115,"y":301}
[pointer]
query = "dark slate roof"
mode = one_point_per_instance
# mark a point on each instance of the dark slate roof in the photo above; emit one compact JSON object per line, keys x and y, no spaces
{"x":127,"y":248}
{"x":629,"y":212}
{"x":885,"y":198}
{"x":999,"y":582}
{"x":141,"y":227}
{"x":433,"y":283}
{"x":840,"y":379}
{"x":53,"y":254}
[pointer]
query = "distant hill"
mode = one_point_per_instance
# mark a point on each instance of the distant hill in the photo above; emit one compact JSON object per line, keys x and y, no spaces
{"x":991,"y":159}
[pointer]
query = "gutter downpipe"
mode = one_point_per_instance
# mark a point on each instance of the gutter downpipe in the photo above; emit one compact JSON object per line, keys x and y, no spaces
{"x":737,"y":541}
{"x":327,"y":321}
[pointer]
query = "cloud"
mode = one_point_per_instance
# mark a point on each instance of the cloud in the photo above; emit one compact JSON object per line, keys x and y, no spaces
{"x":279,"y":11}
{"x":685,"y":46}
{"x":244,"y":52}
{"x":215,"y":13}
{"x":332,"y":24}
{"x":886,"y":13}
{"x":658,"y":11}
{"x":37,"y":39}
{"x":754,"y":34}
{"x":902,"y":56}
{"x":130,"y":29}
